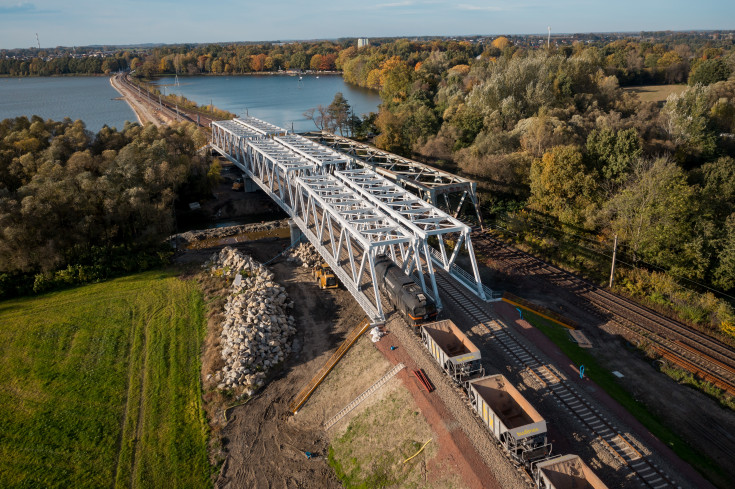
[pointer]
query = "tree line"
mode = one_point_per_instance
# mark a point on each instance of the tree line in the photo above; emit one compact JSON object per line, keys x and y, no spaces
{"x":552,"y":132}
{"x":77,"y":206}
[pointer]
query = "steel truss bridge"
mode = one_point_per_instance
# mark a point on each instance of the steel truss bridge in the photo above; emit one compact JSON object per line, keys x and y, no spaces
{"x":350,"y":213}
{"x":431,"y":184}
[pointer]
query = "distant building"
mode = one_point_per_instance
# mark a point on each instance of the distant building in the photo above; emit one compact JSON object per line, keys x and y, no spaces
{"x":363,"y":42}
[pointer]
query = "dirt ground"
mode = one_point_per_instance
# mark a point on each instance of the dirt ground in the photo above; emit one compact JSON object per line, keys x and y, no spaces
{"x":701,"y":421}
{"x":260,"y":444}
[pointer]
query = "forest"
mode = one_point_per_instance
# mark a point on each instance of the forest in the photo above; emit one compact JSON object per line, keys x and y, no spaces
{"x":566,"y":156}
{"x":78,"y":207}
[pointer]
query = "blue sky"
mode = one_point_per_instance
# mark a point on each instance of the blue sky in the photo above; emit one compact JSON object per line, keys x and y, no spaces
{"x":83,"y":22}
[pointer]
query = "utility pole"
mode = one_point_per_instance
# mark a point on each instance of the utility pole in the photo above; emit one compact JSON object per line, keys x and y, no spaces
{"x":612,"y":268}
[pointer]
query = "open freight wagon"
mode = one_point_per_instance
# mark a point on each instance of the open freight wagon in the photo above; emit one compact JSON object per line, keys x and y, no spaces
{"x":452,"y":349}
{"x":566,"y":472}
{"x":510,"y":417}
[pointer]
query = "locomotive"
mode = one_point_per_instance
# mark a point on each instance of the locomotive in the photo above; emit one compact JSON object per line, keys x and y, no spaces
{"x":403,"y":292}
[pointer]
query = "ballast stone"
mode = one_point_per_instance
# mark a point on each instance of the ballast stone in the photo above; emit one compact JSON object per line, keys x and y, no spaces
{"x":256,"y":331}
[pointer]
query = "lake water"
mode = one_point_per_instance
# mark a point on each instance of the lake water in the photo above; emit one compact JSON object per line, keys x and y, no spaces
{"x":90,"y":99}
{"x":281,"y":100}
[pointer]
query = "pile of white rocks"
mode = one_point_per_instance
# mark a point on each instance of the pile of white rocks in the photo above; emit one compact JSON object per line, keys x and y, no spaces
{"x":257,"y":330}
{"x":304,"y":255}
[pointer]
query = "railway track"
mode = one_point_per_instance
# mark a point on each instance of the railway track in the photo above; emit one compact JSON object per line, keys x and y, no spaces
{"x":689,"y":349}
{"x":171,"y":111}
{"x":642,"y":468}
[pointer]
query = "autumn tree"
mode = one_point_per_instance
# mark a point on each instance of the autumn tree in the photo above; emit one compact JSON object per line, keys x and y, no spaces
{"x":562,"y":186}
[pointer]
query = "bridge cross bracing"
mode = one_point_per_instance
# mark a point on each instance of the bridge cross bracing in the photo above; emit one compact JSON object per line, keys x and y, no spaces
{"x":433,"y":185}
{"x":348,"y":231}
{"x":424,"y":221}
{"x":349,"y":214}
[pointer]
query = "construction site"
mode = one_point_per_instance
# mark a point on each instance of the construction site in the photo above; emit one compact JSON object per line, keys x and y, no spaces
{"x":350,"y":386}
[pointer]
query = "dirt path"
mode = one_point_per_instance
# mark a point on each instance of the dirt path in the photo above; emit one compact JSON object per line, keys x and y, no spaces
{"x":265,"y":445}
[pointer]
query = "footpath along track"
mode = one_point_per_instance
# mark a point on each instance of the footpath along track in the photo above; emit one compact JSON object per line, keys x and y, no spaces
{"x":644,"y":470}
{"x":690,"y":349}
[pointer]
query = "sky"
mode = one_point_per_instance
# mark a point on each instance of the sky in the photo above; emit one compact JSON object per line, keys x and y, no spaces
{"x":86,"y":22}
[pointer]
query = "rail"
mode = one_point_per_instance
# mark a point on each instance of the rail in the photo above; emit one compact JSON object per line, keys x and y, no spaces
{"x":356,"y":402}
{"x":464,"y":278}
{"x":309,"y":389}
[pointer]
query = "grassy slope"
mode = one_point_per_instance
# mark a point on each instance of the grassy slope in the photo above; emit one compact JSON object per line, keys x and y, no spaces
{"x":100,"y":386}
{"x":608,"y":382}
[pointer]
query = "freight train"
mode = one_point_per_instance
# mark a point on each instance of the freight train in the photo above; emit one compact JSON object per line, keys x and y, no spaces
{"x":509,"y":417}
{"x":403,"y":292}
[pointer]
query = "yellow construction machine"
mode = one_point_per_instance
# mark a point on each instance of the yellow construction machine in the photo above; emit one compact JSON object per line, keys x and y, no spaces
{"x":324,"y":276}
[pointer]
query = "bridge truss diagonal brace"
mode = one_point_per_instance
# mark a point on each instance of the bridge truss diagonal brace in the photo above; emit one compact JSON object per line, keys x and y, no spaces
{"x":426,"y":223}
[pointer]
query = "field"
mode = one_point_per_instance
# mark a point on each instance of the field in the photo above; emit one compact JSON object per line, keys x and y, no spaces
{"x":655,"y":93}
{"x":100,"y":386}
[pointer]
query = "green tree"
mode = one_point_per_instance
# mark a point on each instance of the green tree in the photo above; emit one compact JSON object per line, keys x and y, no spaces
{"x":709,"y":71}
{"x":653,"y":215}
{"x":614,"y":152}
{"x":686,"y":121}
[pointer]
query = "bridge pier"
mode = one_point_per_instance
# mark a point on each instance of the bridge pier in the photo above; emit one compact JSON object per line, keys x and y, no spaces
{"x":296,"y":234}
{"x":249,"y":185}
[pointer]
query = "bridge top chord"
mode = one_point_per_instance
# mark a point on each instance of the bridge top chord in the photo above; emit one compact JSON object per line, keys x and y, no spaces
{"x":282,"y":155}
{"x":421,"y":217}
{"x":318,"y":153}
{"x":239,"y":129}
{"x":370,"y":225}
{"x":261,"y":127}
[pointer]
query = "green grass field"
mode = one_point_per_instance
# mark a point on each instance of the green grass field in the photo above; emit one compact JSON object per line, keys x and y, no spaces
{"x":100,"y":386}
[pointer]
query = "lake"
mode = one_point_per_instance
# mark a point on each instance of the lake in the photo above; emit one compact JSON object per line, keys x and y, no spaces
{"x":279,"y":99}
{"x":90,"y":99}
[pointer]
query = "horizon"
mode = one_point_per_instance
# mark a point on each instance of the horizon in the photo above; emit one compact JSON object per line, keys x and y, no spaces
{"x":106,"y":23}
{"x":336,"y":39}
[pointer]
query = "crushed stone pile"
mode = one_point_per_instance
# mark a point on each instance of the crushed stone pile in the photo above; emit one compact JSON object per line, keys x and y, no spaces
{"x":304,"y":255}
{"x":257,"y":329}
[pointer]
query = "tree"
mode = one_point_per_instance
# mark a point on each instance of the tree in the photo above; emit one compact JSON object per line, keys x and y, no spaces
{"x":500,"y":43}
{"x":339,"y":114}
{"x":653,"y":214}
{"x":614,"y":152}
{"x":686,"y":120}
{"x":709,"y":71}
{"x":319,"y":116}
{"x":257,"y":62}
{"x":298,"y":61}
{"x":561,"y":185}
{"x":315,"y":62}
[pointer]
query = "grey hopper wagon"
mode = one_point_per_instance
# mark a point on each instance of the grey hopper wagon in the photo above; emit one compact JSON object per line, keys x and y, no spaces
{"x":510,"y":418}
{"x":451,"y":348}
{"x":566,"y":472}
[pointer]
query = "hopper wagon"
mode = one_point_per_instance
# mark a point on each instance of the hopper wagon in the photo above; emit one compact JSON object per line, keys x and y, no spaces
{"x":510,"y":418}
{"x":566,"y":472}
{"x":451,"y":348}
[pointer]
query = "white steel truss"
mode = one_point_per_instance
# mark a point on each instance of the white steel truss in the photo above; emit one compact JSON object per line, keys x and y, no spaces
{"x":318,"y":153}
{"x":260,"y":127}
{"x":347,"y":230}
{"x":426,"y":223}
{"x":348,"y":212}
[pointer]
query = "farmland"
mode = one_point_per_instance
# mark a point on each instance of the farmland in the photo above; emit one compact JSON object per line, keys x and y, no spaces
{"x":100,"y":386}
